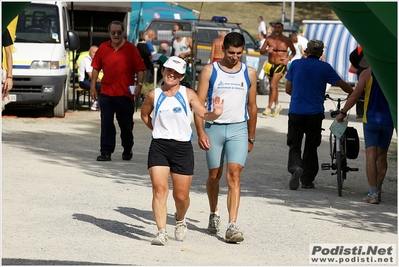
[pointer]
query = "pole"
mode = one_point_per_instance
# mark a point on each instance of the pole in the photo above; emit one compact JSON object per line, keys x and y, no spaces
{"x":292,"y":13}
{"x":283,"y":13}
{"x":73,"y":61}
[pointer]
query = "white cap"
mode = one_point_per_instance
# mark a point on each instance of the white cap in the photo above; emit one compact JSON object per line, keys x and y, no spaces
{"x":176,"y":63}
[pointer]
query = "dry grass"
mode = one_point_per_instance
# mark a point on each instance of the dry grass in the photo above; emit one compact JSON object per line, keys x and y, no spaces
{"x":247,"y":13}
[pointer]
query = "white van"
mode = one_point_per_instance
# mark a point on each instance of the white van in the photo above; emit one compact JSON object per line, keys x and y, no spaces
{"x":41,"y":68}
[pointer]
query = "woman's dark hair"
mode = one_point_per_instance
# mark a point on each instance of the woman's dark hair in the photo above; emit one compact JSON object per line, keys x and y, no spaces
{"x":234,"y":39}
{"x":142,"y":36}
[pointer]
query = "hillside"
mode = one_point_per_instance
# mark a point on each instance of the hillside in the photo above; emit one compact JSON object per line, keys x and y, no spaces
{"x":247,"y":13}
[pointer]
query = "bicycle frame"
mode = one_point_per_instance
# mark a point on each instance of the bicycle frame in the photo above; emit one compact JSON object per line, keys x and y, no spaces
{"x":337,"y":151}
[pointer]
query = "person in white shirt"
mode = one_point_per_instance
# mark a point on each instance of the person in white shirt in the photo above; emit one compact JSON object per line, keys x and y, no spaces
{"x":85,"y":70}
{"x":302,"y":40}
{"x":167,"y":111}
{"x":232,"y":135}
{"x":181,"y":46}
{"x":298,"y":48}
{"x":261,"y":39}
{"x":262,"y":25}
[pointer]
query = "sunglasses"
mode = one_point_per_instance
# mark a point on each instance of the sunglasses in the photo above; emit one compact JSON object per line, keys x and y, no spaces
{"x":119,"y":32}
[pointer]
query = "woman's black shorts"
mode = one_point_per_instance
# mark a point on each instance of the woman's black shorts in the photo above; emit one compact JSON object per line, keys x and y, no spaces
{"x":178,"y":155}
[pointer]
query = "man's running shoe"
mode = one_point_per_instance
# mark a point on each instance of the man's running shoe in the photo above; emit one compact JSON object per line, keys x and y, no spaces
{"x":214,"y":224}
{"x":371,"y":198}
{"x":267,"y":112}
{"x":277,"y":110}
{"x":161,"y":238}
{"x":233,"y":235}
{"x":180,"y":229}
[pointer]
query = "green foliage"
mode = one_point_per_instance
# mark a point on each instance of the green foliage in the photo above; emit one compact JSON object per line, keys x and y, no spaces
{"x":146,"y":88}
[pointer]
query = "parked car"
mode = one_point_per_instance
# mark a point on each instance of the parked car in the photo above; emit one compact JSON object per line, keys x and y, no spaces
{"x":203,"y":33}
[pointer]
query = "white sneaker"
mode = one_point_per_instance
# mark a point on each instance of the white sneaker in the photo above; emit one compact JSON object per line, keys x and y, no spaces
{"x":277,"y":110}
{"x":161,"y":238}
{"x":180,"y":229}
{"x":94,"y":106}
{"x":214,"y":224}
{"x":233,"y":235}
{"x":267,"y":112}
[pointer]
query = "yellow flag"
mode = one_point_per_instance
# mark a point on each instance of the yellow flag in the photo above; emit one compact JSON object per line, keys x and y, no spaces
{"x":12,"y":29}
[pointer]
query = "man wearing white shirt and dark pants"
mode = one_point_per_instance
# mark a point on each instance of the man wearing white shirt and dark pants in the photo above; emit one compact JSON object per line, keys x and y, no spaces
{"x":85,"y":70}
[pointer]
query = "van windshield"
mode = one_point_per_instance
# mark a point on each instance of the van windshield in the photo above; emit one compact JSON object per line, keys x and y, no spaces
{"x":38,"y":24}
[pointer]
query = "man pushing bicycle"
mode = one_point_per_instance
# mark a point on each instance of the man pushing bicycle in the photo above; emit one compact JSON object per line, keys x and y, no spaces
{"x":306,"y":84}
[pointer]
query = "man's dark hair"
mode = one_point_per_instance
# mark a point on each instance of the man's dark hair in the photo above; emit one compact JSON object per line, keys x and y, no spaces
{"x":278,"y":22}
{"x":116,"y":22}
{"x":180,"y":26}
{"x":234,"y":39}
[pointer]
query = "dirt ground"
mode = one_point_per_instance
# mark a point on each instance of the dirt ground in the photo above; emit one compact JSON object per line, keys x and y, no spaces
{"x":62,"y":207}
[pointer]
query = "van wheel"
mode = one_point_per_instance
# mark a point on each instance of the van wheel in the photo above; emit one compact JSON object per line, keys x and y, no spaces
{"x":60,"y":108}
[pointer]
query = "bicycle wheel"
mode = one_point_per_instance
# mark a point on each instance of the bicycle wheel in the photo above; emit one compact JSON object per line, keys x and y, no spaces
{"x":339,"y":172}
{"x":344,"y":162}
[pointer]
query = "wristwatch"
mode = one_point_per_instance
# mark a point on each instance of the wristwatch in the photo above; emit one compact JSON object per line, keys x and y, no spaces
{"x":251,"y":140}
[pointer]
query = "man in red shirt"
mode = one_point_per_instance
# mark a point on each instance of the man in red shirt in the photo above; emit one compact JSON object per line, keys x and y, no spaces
{"x":120,"y":61}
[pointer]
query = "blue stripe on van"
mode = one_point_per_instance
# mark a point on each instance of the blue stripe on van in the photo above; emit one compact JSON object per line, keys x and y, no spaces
{"x":24,"y":67}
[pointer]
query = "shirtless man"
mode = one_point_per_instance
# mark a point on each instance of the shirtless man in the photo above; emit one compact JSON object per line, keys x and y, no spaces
{"x":276,"y":45}
{"x":217,"y":52}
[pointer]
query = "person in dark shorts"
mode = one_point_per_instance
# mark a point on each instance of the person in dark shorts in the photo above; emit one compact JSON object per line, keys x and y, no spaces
{"x":276,"y":46}
{"x":167,"y":112}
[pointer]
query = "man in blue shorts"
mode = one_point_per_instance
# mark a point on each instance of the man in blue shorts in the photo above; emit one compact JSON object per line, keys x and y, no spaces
{"x":233,"y":133}
{"x":377,"y":128}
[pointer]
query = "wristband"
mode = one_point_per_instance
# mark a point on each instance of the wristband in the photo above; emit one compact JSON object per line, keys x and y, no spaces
{"x":140,"y":83}
{"x":9,"y":77}
{"x":342,"y":112}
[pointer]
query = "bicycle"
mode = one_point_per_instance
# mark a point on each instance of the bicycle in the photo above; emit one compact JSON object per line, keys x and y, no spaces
{"x":337,"y":150}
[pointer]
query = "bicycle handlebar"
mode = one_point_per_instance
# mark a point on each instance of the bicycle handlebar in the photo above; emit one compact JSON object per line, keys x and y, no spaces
{"x":327,"y":96}
{"x":334,"y":113}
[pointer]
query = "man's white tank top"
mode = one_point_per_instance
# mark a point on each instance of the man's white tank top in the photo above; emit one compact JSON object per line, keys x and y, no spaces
{"x":233,"y":87}
{"x":172,"y":116}
{"x":181,"y":47}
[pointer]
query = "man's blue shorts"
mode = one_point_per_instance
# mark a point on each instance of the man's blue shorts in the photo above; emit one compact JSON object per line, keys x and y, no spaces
{"x":377,"y":135}
{"x":230,"y":139}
